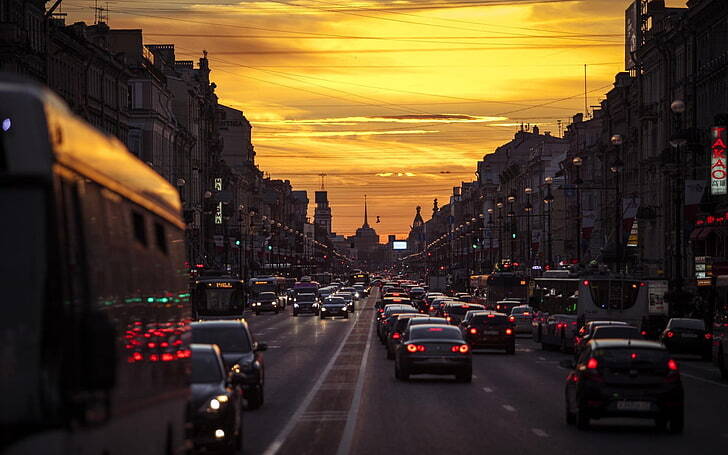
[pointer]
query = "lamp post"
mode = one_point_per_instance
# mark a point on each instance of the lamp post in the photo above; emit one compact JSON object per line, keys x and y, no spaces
{"x":678,"y":141}
{"x":548,"y":200}
{"x":528,"y":209}
{"x":577,"y":162}
{"x":616,"y":168}
{"x":499,"y":204}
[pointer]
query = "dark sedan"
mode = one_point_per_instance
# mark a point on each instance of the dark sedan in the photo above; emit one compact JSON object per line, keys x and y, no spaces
{"x":396,"y":331}
{"x":687,"y":336}
{"x":489,"y":330}
{"x":625,"y":378}
{"x":433,"y":349}
{"x":266,"y":301}
{"x":334,"y":306}
{"x":241,"y":354}
{"x":455,"y":312}
{"x":215,"y":405}
{"x":305,"y":303}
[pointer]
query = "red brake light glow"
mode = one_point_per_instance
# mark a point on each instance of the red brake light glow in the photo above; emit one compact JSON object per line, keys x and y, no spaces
{"x":633,"y":356}
{"x":464,"y":348}
{"x":672,"y":365}
{"x":670,"y":334}
{"x":420,"y":348}
{"x":411,"y":348}
{"x":644,"y":332}
{"x":509,"y":331}
{"x":708,"y":336}
{"x":434,"y":329}
{"x":491,"y":315}
{"x":592,"y":364}
{"x":512,"y":318}
{"x":396,"y":336}
{"x":473,"y":330}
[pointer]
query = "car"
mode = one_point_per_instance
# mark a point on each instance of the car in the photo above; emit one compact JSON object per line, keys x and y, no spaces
{"x":558,"y":331}
{"x":384,"y":319}
{"x":438,"y":303}
{"x":334,"y":306}
{"x":523,"y":314}
{"x":361,"y":289}
{"x":325,"y":292}
{"x":489,"y":330}
{"x":505,"y":306}
{"x":395,"y":331}
{"x":215,"y":405}
{"x":266,"y":301}
{"x":241,"y":354}
{"x":305,"y":303}
{"x":348,"y":298}
{"x":350,"y":289}
{"x":653,"y":325}
{"x":687,"y":336}
{"x":464,"y":297}
{"x":424,"y":320}
{"x":586,"y":331}
{"x":454,"y":312}
{"x":625,"y":378}
{"x":433,"y":349}
{"x":626,"y":332}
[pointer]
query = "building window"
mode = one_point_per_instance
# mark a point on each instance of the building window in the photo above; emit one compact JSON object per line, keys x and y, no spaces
{"x":140,"y":232}
{"x":160,"y":237}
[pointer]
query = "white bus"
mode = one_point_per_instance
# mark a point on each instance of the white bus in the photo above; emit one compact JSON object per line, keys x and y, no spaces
{"x":95,"y":325}
{"x":607,"y":298}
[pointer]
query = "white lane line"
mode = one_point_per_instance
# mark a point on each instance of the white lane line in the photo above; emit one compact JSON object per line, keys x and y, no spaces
{"x":487,"y":390}
{"x":277,"y":443}
{"x":698,"y":378}
{"x":509,"y":408}
{"x":348,"y":436}
{"x":542,"y":358}
{"x":475,"y":377}
{"x":540,"y":433}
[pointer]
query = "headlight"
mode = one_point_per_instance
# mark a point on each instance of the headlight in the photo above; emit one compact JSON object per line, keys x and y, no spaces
{"x":323,"y":309}
{"x":256,"y":304}
{"x":216,"y":403}
{"x":295,"y":305}
{"x":274,"y":304}
{"x":356,"y":295}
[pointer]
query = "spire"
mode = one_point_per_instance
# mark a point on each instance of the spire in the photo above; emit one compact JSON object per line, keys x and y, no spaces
{"x":366,"y":221}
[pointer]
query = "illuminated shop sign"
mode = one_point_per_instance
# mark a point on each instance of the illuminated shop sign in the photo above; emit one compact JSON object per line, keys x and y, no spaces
{"x":719,"y":138}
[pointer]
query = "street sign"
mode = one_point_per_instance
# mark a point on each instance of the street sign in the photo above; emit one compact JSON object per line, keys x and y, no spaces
{"x":718,"y":147}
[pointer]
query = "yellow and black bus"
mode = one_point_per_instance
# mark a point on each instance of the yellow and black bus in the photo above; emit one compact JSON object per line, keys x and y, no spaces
{"x":95,"y":325}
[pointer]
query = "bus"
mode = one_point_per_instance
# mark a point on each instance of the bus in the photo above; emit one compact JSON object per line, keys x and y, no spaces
{"x":95,"y":326}
{"x":359,"y":277}
{"x":256,"y":285}
{"x":506,"y":286}
{"x":216,"y":298}
{"x":555,"y":295}
{"x":610,"y":298}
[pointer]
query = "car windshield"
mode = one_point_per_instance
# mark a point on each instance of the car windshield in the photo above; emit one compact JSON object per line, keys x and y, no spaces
{"x":205,"y":367}
{"x":267,"y":296}
{"x":625,"y":357}
{"x":616,"y":332}
{"x":306,"y":298}
{"x":695,"y":324}
{"x":230,"y":338}
{"x":335,"y":301}
{"x":438,"y":333}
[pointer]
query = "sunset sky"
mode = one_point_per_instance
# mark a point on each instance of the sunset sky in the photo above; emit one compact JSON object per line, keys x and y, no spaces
{"x":394,"y":99}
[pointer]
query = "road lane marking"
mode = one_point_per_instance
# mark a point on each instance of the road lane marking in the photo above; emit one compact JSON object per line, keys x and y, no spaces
{"x":509,"y":408}
{"x":277,"y":443}
{"x":709,"y":381}
{"x":542,"y":358}
{"x":540,"y":433}
{"x":487,"y":390}
{"x":348,"y":436}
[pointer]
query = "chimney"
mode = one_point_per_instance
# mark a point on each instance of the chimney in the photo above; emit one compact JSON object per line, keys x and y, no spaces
{"x":535,"y":130}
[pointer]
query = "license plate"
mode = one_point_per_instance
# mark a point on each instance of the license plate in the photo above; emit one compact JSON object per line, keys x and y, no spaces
{"x":490,"y":332}
{"x":689,"y":335}
{"x":634,"y":405}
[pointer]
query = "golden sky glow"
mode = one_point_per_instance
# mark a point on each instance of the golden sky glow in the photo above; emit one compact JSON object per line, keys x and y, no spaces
{"x":394,"y":99}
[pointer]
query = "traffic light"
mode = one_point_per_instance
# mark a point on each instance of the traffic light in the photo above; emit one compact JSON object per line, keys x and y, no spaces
{"x":514,"y":235}
{"x":270,"y":247}
{"x":475,"y":246}
{"x":237,"y":242}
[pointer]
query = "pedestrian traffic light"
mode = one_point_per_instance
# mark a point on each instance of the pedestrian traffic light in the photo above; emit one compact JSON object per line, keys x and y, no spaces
{"x":475,"y":246}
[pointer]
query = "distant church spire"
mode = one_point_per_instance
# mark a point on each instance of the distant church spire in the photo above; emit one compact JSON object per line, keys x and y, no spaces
{"x":366,"y":220}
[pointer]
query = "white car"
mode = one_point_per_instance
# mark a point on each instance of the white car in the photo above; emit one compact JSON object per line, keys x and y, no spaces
{"x":522,"y":315}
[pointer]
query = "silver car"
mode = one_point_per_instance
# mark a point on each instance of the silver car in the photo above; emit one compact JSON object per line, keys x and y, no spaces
{"x":522,"y":315}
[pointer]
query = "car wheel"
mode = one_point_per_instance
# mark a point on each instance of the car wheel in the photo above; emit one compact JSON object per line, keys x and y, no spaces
{"x":563,"y":348}
{"x":677,"y":422}
{"x":511,"y":350}
{"x":582,"y":419}
{"x":255,"y":397}
{"x":390,"y":355}
{"x":570,"y":417}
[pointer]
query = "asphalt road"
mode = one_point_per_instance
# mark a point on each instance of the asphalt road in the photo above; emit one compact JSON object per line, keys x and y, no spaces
{"x":330,"y":390}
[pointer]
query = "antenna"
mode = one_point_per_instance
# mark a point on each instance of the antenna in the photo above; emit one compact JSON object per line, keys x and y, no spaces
{"x":101,"y":14}
{"x":586,"y":103}
{"x":323,"y":181}
{"x":558,"y":122}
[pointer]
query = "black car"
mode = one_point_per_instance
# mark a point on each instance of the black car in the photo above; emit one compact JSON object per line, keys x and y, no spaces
{"x":384,"y":320}
{"x":215,"y":404}
{"x":396,"y":329}
{"x":455,"y":312}
{"x":625,"y":378}
{"x":489,"y":330}
{"x":334,"y":306}
{"x":652,"y":326}
{"x":687,"y":336}
{"x":305,"y":303}
{"x":584,"y":334}
{"x":433,"y":349}
{"x":241,"y":354}
{"x":266,"y":301}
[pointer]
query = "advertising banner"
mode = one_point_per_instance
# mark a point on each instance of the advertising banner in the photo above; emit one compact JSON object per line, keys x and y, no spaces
{"x":718,"y":141}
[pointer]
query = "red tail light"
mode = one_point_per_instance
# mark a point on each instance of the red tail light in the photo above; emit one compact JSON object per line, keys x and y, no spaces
{"x":411,"y":348}
{"x":672,"y":365}
{"x":708,"y":336}
{"x":396,"y":336}
{"x":491,"y":315}
{"x":473,"y":330}
{"x":592,"y":364}
{"x":585,"y":282}
{"x":670,"y":334}
{"x":464,"y":348}
{"x":644,"y":332}
{"x":420,"y":348}
{"x":512,"y":318}
{"x":509,"y":331}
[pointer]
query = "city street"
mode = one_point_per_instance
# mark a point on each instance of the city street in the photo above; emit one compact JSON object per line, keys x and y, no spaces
{"x":515,"y":403}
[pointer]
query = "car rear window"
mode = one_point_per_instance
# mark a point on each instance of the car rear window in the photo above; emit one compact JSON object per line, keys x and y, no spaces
{"x":695,"y":324}
{"x":425,"y":320}
{"x":205,"y":367}
{"x":230,"y":338}
{"x":438,"y":333}
{"x":626,"y":357}
{"x":498,"y":321}
{"x":616,"y":332}
{"x":462,"y":309}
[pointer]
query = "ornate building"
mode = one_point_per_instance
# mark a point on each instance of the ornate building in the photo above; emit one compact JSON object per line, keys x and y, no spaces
{"x":366,"y":239}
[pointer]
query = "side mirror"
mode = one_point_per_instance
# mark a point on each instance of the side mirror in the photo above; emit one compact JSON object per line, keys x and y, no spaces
{"x":260,"y":347}
{"x":568,"y":364}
